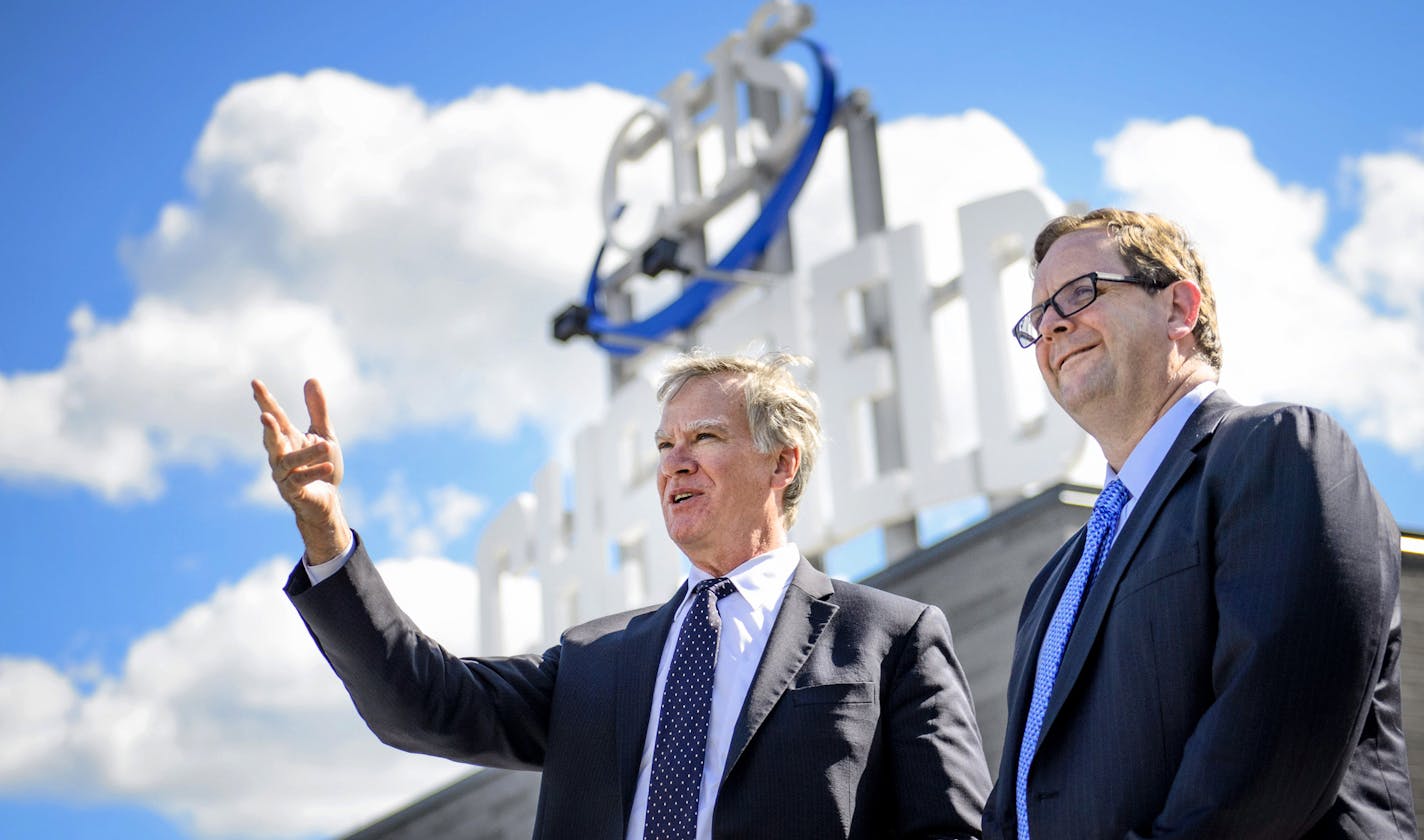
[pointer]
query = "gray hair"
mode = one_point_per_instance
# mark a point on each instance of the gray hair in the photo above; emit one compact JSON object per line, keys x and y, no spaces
{"x":780,"y":411}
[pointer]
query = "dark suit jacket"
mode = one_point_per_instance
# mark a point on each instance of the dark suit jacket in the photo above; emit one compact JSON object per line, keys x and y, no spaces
{"x":1234,"y":670}
{"x":858,"y":722}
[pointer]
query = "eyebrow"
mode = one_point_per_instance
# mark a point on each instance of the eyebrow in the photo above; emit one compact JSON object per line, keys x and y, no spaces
{"x":707,"y":424}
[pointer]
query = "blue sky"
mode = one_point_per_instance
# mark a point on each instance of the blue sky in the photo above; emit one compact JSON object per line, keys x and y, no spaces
{"x":1284,"y":135}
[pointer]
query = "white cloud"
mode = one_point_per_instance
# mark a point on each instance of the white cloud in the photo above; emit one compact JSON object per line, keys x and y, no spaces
{"x":228,"y":720}
{"x":930,"y":167}
{"x":1383,"y":255}
{"x":39,"y":702}
{"x":1294,"y":326}
{"x":166,"y":385}
{"x":453,"y":510}
{"x":424,"y":528}
{"x":411,"y":255}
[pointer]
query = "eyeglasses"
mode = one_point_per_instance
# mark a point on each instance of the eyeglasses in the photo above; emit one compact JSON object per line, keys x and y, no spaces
{"x":1070,"y":299}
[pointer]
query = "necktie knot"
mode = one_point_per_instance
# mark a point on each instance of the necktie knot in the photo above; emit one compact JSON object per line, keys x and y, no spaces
{"x":709,"y":592}
{"x":1111,"y":501}
{"x":720,"y":587}
{"x":1102,"y":525}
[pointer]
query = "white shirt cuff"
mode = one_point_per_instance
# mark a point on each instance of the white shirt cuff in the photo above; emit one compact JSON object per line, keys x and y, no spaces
{"x":320,"y":572}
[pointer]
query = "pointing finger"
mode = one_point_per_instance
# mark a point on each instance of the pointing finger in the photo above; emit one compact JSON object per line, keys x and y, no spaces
{"x":269,"y":405}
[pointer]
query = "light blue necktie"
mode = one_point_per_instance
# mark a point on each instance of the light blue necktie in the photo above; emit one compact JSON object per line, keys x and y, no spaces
{"x":1101,"y":526}
{"x":681,"y":745}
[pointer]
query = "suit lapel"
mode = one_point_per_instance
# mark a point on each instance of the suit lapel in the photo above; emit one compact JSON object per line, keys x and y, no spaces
{"x":805,"y":611}
{"x":638,"y":660}
{"x":1179,"y":458}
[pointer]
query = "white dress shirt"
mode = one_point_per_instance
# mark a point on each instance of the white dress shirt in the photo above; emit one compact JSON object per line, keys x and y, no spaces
{"x":1147,"y":455}
{"x":747,"y":617}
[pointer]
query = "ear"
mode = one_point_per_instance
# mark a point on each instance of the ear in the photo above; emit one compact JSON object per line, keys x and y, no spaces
{"x":1186,"y":304}
{"x":788,"y":462}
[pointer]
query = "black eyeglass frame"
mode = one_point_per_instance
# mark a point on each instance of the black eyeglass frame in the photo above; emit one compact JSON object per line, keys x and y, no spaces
{"x":1026,"y":328}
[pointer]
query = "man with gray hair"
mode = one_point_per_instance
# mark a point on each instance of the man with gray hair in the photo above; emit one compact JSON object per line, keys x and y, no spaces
{"x":763,"y":700}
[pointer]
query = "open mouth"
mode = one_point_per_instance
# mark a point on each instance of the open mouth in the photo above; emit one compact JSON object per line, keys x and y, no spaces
{"x":679,"y":498}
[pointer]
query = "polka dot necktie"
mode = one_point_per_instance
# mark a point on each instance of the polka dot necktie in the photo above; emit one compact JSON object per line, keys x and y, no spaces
{"x":681,"y":743}
{"x":1101,"y":526}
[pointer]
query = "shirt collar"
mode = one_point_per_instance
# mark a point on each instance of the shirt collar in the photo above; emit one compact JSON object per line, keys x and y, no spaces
{"x":1147,"y":455}
{"x":760,"y":580}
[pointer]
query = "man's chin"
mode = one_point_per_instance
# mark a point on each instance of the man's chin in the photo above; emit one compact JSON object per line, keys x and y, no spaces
{"x":1070,"y":395}
{"x":684,"y":537}
{"x":1077,"y":395}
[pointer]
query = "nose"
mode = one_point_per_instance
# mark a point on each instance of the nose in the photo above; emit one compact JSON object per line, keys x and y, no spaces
{"x":1052,"y":322}
{"x":676,"y":460}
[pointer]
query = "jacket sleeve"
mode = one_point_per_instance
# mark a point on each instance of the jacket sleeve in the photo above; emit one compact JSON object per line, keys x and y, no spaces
{"x":937,"y":756}
{"x":411,"y":692}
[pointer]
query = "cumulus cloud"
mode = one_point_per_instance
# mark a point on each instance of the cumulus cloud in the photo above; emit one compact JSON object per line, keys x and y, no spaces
{"x":930,"y":167}
{"x":166,"y":385}
{"x":228,"y":721}
{"x":1295,"y":325}
{"x":425,"y":526}
{"x":1382,"y":257}
{"x":38,"y":702}
{"x":410,"y":254}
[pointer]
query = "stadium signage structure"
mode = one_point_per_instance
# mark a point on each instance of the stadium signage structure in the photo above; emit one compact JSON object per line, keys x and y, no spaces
{"x":926,"y":398}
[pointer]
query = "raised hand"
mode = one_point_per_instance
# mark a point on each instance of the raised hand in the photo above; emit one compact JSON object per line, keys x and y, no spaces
{"x":306,"y":467}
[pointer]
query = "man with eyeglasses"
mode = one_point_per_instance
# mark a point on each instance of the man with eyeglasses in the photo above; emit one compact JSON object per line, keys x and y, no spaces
{"x":1216,"y":654}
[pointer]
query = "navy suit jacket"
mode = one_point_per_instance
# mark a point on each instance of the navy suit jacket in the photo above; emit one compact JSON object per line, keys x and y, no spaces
{"x":858,"y":722}
{"x":1234,"y":670}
